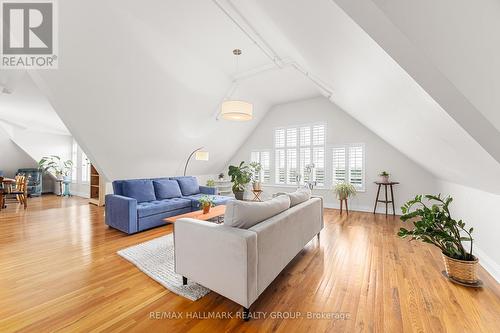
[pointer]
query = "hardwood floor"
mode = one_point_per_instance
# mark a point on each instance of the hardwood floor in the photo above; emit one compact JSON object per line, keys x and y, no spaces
{"x":59,"y":271}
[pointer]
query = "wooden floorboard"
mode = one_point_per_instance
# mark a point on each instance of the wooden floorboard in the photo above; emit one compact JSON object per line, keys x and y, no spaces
{"x":59,"y":271}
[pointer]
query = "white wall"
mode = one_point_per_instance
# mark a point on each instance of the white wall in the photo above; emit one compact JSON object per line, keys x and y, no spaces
{"x":478,"y":209}
{"x":12,"y":157}
{"x":341,"y":129}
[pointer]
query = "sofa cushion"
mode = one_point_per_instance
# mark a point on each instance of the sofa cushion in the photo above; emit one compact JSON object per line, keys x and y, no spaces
{"x":299,"y":196}
{"x":161,"y":206}
{"x":189,"y":185}
{"x":245,"y":214}
{"x":167,"y":189}
{"x":218,"y":200}
{"x":139,"y":189}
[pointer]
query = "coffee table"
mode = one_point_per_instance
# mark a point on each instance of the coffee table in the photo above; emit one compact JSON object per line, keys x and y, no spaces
{"x":215,"y":212}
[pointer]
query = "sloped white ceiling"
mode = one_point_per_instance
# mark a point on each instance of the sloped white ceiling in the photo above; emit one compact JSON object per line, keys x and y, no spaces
{"x":140,"y":83}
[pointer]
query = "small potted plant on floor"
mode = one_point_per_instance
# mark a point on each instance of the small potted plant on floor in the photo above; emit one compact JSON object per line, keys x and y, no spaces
{"x":344,"y":191}
{"x":240,"y":177}
{"x":384,"y":177}
{"x":255,"y":169}
{"x":206,"y":202}
{"x":211,"y":183}
{"x":433,"y":224}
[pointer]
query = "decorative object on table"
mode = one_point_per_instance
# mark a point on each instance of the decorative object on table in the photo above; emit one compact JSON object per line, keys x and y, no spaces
{"x":255,"y":168}
{"x":55,"y":165}
{"x":210,"y":183}
{"x":240,"y":177}
{"x":309,"y":175}
{"x":344,"y":191}
{"x":433,"y":224}
{"x":199,"y":155}
{"x":386,"y":201}
{"x":206,"y":202}
{"x":384,"y":177}
{"x":155,"y":258}
{"x":234,"y":109}
{"x":221,"y":176}
{"x":35,"y":180}
{"x":256,"y":195}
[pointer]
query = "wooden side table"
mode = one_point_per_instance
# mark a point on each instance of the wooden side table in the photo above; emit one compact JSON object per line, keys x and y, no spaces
{"x":386,"y":201}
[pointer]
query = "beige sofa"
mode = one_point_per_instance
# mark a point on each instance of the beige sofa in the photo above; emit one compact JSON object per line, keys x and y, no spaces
{"x":241,"y":263}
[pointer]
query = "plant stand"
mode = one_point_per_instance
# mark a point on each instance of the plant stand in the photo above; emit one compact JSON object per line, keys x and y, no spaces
{"x":386,"y":201}
{"x":346,"y":207}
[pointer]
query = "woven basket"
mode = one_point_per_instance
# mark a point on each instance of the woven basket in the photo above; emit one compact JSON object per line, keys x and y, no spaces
{"x":461,"y":270}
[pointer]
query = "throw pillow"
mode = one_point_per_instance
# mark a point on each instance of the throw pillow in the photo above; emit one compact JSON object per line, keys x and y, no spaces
{"x":246,"y":214}
{"x":299,"y":196}
{"x":188,"y":185}
{"x":140,"y":189}
{"x":167,"y":189}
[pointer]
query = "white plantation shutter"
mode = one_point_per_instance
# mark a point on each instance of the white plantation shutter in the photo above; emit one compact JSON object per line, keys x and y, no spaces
{"x":305,"y":136}
{"x":291,"y":167}
{"x":291,"y":137}
{"x":255,"y":157}
{"x":279,"y":138}
{"x":319,"y":165}
{"x":339,"y":165}
{"x":305,"y":159}
{"x":266,"y":170}
{"x":356,"y":165}
{"x":280,"y":167}
{"x":318,"y":135}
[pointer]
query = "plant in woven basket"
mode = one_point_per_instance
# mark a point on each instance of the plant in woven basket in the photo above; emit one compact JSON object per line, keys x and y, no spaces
{"x":433,"y":224}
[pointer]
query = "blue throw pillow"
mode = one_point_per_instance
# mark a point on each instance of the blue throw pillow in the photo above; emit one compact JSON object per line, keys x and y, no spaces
{"x":167,"y":189}
{"x":140,"y":189}
{"x":189,"y":185}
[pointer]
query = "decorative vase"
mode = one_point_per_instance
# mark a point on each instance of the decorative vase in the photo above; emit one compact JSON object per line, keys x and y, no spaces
{"x":239,"y":195}
{"x":384,"y":179}
{"x":461,"y":270}
{"x":206,"y":209}
{"x":257,"y":186}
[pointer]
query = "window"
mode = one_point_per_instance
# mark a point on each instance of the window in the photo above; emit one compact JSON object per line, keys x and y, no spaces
{"x":348,"y":165}
{"x":262,"y":157}
{"x":74,"y":159}
{"x":297,"y":147}
{"x":85,"y":168}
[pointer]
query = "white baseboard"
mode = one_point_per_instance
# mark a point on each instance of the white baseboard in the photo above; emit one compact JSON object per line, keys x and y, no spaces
{"x":81,"y":194}
{"x":359,"y":208}
{"x":488,"y":264}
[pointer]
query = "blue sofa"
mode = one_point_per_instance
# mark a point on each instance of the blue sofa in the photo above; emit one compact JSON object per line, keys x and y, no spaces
{"x":141,"y":204}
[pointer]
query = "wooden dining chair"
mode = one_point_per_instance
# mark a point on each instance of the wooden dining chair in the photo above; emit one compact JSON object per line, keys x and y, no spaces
{"x":2,"y":198}
{"x":20,"y":192}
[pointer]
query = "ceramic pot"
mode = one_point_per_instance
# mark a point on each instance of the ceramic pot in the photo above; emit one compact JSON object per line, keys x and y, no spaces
{"x":257,"y":186}
{"x":384,"y":179}
{"x":239,"y":195}
{"x":206,"y":209}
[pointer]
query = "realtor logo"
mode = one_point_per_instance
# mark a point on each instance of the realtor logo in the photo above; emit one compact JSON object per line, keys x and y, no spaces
{"x":28,"y":34}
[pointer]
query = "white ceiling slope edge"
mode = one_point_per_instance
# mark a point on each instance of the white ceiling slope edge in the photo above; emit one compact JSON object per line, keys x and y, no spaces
{"x":138,"y":88}
{"x":373,"y":88}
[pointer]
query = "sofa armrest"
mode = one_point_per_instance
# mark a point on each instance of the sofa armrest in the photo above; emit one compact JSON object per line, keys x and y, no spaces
{"x":208,"y":190}
{"x":121,"y":213}
{"x":221,"y":258}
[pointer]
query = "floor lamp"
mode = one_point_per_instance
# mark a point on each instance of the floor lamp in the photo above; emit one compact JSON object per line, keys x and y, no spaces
{"x":199,"y":155}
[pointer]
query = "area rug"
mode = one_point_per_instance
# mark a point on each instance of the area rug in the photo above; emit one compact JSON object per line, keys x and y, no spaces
{"x":156,"y":259}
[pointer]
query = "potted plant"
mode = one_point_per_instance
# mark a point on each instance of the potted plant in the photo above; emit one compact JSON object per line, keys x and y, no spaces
{"x":240,"y":177}
{"x":55,"y":165}
{"x":344,"y":191}
{"x":221,"y":176}
{"x":206,"y":202}
{"x":255,"y":168}
{"x":211,"y":183}
{"x":433,"y":224}
{"x":384,"y":177}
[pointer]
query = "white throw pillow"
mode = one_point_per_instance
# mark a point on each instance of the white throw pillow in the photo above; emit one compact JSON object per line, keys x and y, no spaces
{"x":299,"y":196}
{"x":246,"y":214}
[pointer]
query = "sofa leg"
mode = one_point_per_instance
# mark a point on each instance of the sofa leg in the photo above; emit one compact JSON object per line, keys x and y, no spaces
{"x":246,"y":314}
{"x":184,"y":280}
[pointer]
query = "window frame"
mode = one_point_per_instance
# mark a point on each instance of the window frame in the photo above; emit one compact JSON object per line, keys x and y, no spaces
{"x":346,"y":148}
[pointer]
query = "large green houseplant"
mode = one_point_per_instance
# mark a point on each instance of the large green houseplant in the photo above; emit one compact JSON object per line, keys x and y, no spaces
{"x":433,"y":224}
{"x":240,"y":177}
{"x":56,"y":165}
